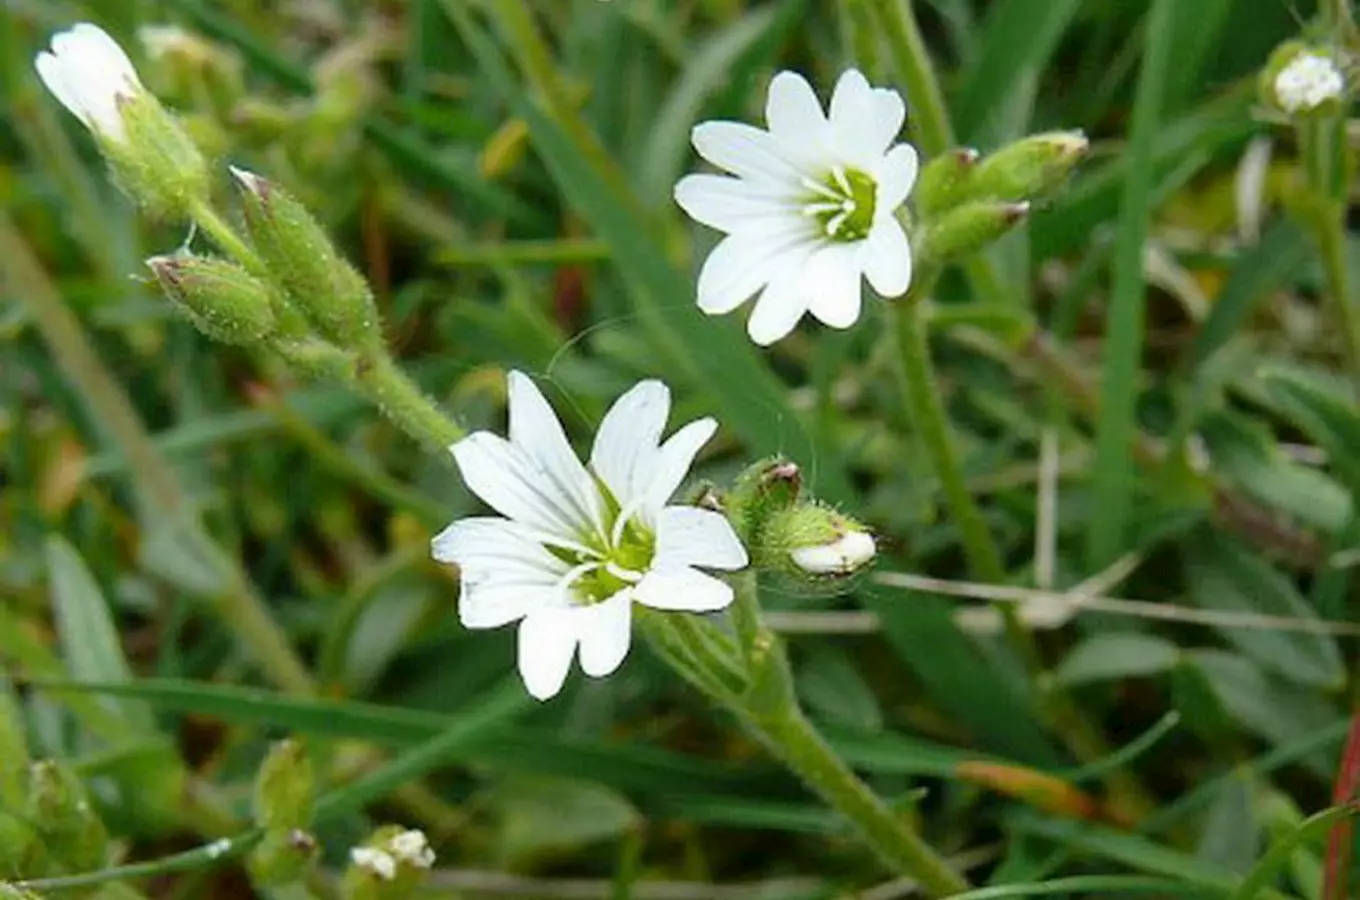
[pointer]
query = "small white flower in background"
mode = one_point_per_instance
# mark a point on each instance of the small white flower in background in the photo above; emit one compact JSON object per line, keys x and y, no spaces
{"x":578,"y":545}
{"x":91,"y":76}
{"x":811,"y":209}
{"x":1307,"y":82}
{"x":842,"y":556}
{"x":376,"y":862}
{"x":412,"y":848}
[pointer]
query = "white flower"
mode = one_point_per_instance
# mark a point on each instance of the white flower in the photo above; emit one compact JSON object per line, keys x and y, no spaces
{"x":91,"y":76}
{"x":812,"y":208}
{"x":376,"y":862}
{"x":578,"y":545}
{"x":1307,"y":82}
{"x":840,"y":557}
{"x":412,"y":848}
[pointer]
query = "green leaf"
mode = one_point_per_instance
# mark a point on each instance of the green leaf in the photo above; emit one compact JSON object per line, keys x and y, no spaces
{"x":1224,"y":575}
{"x":1230,"y":834}
{"x":1016,"y":42}
{"x":921,"y":628}
{"x":1327,"y":416}
{"x":834,"y":690}
{"x":536,"y":814}
{"x":1108,"y":656}
{"x":1278,"y":857}
{"x":89,"y":636}
{"x":1277,"y":711}
{"x":1113,"y":479}
{"x":667,"y":147}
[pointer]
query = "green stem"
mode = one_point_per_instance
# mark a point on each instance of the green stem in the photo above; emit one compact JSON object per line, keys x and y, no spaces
{"x":907,"y":48}
{"x":927,"y":413}
{"x":768,"y":709}
{"x":160,"y":495}
{"x":382,"y":381}
{"x":224,"y":235}
{"x":794,"y":740}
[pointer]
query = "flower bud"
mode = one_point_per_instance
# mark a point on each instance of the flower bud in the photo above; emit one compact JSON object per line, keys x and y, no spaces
{"x":1299,"y":80}
{"x":390,"y":865}
{"x":299,"y":255}
{"x":151,"y":157}
{"x":845,"y":554}
{"x":943,"y":181}
{"x":814,"y":541}
{"x":966,"y":229}
{"x":285,"y":788}
{"x":1028,"y":169}
{"x":765,"y":488}
{"x":59,"y":807}
{"x":283,"y":857}
{"x":223,"y":300}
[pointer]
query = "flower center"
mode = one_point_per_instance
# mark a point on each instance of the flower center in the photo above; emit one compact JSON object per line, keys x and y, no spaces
{"x":842,"y":203}
{"x":604,"y":564}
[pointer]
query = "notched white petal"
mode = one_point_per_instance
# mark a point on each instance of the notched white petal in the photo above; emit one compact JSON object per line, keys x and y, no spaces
{"x":682,"y":589}
{"x":886,"y":259}
{"x":628,"y":437}
{"x":833,"y":283}
{"x":535,"y":429}
{"x":547,"y":643}
{"x":672,"y":463}
{"x":689,"y":536}
{"x":606,"y":632}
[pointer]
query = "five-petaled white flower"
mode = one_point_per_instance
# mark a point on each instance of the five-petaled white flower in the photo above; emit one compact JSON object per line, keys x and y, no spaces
{"x":1308,"y":81}
{"x":91,"y":76}
{"x":812,"y":208}
{"x":579,"y":544}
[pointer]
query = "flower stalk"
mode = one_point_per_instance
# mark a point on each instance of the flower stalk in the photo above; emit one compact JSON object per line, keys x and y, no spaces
{"x":768,"y":709}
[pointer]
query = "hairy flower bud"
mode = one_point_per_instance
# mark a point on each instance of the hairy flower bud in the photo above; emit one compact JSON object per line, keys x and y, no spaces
{"x":967,"y":229}
{"x":1029,"y":169}
{"x":815,"y":542}
{"x":223,"y":300}
{"x":285,"y":788}
{"x":59,"y":807}
{"x":303,"y":261}
{"x":150,"y":155}
{"x":944,"y":181}
{"x":765,"y":488}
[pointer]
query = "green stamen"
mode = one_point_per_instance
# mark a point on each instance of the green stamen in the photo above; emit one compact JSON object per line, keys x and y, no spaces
{"x":843,"y":204}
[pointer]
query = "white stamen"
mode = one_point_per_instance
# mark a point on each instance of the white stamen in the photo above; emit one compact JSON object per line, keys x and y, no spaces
{"x":838,"y":173}
{"x":566,"y":581}
{"x":618,"y":571}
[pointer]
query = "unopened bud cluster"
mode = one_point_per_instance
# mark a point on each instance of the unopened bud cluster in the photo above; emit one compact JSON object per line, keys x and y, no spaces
{"x":390,"y":865}
{"x":788,"y":532}
{"x":1300,"y":80}
{"x":965,"y":201}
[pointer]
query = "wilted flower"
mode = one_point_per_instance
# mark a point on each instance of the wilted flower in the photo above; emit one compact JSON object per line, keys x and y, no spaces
{"x":812,"y":209}
{"x":578,"y":545}
{"x":1307,"y":82}
{"x":91,"y":75}
{"x":412,"y":848}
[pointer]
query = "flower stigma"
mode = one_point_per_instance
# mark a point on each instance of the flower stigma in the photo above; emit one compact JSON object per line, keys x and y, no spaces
{"x":842,"y":203}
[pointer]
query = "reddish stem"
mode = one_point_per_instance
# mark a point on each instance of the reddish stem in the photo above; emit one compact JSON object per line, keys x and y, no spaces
{"x":1341,"y":841}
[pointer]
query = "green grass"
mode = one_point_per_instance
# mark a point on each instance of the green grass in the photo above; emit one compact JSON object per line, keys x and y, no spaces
{"x":201,"y":551}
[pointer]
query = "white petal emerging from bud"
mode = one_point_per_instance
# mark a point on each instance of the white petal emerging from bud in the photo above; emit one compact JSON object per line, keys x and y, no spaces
{"x":1307,"y":82}
{"x":91,"y":76}
{"x":840,"y":557}
{"x":376,"y":862}
{"x":412,"y":848}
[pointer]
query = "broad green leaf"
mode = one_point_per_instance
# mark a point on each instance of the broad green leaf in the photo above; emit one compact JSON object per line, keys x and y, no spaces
{"x":1328,"y":416}
{"x":834,"y":690}
{"x":88,"y":633}
{"x":1223,"y":575}
{"x":1275,"y":710}
{"x":536,"y":814}
{"x":1230,"y":833}
{"x":1108,"y":656}
{"x":959,"y":679}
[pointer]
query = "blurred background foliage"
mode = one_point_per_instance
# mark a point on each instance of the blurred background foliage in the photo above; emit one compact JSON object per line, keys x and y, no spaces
{"x":501,"y":171}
